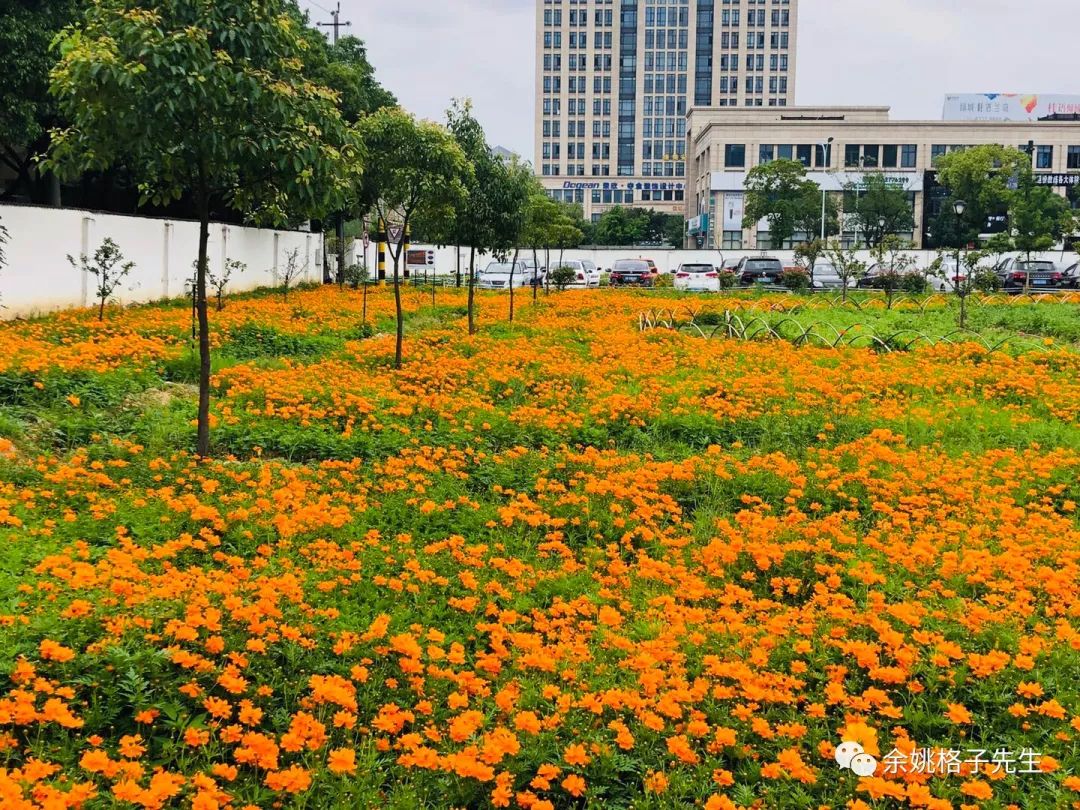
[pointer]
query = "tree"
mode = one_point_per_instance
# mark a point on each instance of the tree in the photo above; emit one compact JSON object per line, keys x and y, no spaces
{"x":419,"y":167}
{"x":473,"y":221}
{"x":891,"y":252}
{"x":980,"y":176}
{"x":780,"y":192}
{"x":108,"y":267}
{"x":290,"y":272}
{"x":808,"y":253}
{"x":1038,"y":217}
{"x":620,"y":227}
{"x":27,"y":112}
{"x":220,"y":281}
{"x":966,"y":278}
{"x":515,"y":185}
{"x":847,"y":264}
{"x":344,"y":68}
{"x":880,"y":208}
{"x":541,"y":216}
{"x":207,"y":99}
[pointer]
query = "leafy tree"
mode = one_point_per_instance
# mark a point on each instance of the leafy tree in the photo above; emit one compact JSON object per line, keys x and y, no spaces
{"x":980,"y":176}
{"x":541,"y":216}
{"x":108,"y":267}
{"x":808,"y":253}
{"x":780,"y":192}
{"x":208,"y":99}
{"x":847,"y":264}
{"x":965,"y":278}
{"x":27,"y":113}
{"x":344,"y":68}
{"x":219,"y":282}
{"x":563,"y":276}
{"x":420,"y":167}
{"x":1038,"y":217}
{"x":473,"y":222}
{"x":880,"y":209}
{"x":620,"y":227}
{"x":891,"y":252}
{"x":516,"y":186}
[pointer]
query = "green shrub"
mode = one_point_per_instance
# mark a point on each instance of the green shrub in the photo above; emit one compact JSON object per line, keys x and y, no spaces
{"x":252,"y":341}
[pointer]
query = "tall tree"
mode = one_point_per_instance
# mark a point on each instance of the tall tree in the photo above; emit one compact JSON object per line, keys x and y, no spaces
{"x":780,"y":192}
{"x":541,"y":216}
{"x":473,"y":222}
{"x":419,"y":166}
{"x":27,"y":113}
{"x":880,"y":208}
{"x":981,"y":176}
{"x":1038,"y":218}
{"x":207,"y":99}
{"x":516,"y":184}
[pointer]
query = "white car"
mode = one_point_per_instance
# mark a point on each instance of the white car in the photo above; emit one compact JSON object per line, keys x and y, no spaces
{"x":586,"y":273}
{"x":503,"y":276}
{"x":697,"y":278}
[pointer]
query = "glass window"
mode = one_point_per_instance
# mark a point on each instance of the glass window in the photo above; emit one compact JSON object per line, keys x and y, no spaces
{"x":804,"y":154}
{"x":909,"y":156}
{"x":852,"y":154}
{"x":735,"y":155}
{"x":765,"y":153}
{"x":889,"y":156}
{"x":1044,"y":157}
{"x":784,"y":151}
{"x":938,"y":150}
{"x":1073,"y":161}
{"x":871,"y":153}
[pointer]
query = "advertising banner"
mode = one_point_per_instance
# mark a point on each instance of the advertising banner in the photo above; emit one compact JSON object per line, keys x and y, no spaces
{"x":1008,"y":106}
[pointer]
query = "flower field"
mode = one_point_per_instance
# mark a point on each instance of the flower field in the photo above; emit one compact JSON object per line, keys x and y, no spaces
{"x":561,"y":563}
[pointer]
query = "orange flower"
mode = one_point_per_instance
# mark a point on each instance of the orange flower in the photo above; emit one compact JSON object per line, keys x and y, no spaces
{"x":575,"y":755}
{"x":574,"y":785}
{"x":342,"y":761}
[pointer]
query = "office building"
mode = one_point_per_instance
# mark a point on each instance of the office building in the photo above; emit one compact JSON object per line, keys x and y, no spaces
{"x":725,"y":144}
{"x":616,"y":78}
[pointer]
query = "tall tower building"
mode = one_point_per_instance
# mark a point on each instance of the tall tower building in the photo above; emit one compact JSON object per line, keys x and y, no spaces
{"x":615,"y":79}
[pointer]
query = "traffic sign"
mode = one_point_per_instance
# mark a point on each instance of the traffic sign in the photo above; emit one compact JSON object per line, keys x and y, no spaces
{"x":367,"y":241}
{"x":394,"y":233}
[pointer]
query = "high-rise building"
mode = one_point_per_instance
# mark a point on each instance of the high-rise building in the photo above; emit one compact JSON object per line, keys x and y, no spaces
{"x":616,"y":78}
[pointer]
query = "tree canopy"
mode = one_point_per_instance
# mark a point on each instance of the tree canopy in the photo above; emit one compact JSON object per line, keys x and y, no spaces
{"x":780,"y":192}
{"x":879,"y":208}
{"x":623,"y":227}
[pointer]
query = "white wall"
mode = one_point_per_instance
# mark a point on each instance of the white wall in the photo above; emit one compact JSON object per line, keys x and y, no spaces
{"x":38,"y":277}
{"x":667,"y":259}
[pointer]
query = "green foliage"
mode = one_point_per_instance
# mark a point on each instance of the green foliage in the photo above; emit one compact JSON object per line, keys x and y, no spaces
{"x":880,"y":208}
{"x":562,"y":277}
{"x":345,"y":69}
{"x":27,"y":113}
{"x":252,"y":341}
{"x":108,"y":267}
{"x":780,"y":192}
{"x":980,"y":176}
{"x":795,"y":278}
{"x":846,"y":262}
{"x":1038,"y":217}
{"x":624,"y":227}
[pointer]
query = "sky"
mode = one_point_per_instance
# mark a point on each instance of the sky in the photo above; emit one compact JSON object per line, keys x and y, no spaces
{"x":906,"y":54}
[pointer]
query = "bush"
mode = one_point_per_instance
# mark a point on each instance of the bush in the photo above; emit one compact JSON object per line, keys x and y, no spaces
{"x":664,"y":281}
{"x":914,"y":283}
{"x":562,"y":277}
{"x":795,"y":278}
{"x":727,"y":279}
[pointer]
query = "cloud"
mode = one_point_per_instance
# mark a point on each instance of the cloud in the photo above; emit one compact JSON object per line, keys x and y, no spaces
{"x":906,"y":54}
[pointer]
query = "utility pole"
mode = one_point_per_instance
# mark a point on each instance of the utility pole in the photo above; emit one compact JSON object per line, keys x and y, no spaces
{"x":337,"y":24}
{"x":339,"y":230}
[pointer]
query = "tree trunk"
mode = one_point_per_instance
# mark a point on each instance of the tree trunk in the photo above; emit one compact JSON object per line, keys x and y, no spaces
{"x":457,"y":266}
{"x":536,"y":269}
{"x":363,"y":316}
{"x":203,"y":445}
{"x":472,"y":290}
{"x":341,"y":248}
{"x":513,"y":267}
{"x":400,"y":342}
{"x":101,"y":310}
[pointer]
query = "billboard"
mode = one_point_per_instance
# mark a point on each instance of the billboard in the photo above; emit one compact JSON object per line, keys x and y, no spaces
{"x":1008,"y":106}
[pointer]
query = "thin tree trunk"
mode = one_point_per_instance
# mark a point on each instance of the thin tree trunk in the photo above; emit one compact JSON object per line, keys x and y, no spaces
{"x":536,"y":269}
{"x":472,"y":290}
{"x":400,"y":342}
{"x":513,"y":267}
{"x":203,"y":445}
{"x":363,"y":316}
{"x":341,"y":248}
{"x":457,"y":266}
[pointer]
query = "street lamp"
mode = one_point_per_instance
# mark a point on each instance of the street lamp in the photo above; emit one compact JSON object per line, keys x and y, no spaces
{"x":826,"y":153}
{"x":959,"y":207}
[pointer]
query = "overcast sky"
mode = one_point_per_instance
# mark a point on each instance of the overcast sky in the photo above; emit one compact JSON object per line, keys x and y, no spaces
{"x":906,"y":54}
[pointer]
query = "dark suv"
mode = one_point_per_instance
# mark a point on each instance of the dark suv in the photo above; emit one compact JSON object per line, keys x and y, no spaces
{"x":753,"y":270}
{"x":633,"y":272}
{"x":1017,"y":276}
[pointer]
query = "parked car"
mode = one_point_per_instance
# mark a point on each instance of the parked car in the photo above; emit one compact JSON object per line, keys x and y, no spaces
{"x":874,"y":278}
{"x":536,"y":274}
{"x":730,"y":265}
{"x":1017,"y":275}
{"x":697,"y":278}
{"x":586,"y":273}
{"x":503,"y":275}
{"x":825,"y":277}
{"x":753,"y":270}
{"x":946,"y":277}
{"x":634,"y":273}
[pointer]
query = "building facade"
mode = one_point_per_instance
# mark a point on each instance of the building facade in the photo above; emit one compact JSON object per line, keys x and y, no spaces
{"x":725,"y":144}
{"x":616,"y":78}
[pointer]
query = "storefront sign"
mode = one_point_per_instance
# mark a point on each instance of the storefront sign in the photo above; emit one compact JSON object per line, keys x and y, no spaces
{"x":1058,"y":180}
{"x":734,"y":206}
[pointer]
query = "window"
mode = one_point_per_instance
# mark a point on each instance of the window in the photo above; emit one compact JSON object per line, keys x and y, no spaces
{"x":804,"y":154}
{"x":871,"y":153}
{"x":1073,"y":159}
{"x":909,"y":156}
{"x":765,"y":153}
{"x":784,"y":151}
{"x":852,"y":154}
{"x":889,"y":156}
{"x":1044,"y":157}
{"x":937,"y":151}
{"x":735,"y":155}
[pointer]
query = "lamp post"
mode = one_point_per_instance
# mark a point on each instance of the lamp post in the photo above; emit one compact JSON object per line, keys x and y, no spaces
{"x":959,"y":206}
{"x":826,"y":153}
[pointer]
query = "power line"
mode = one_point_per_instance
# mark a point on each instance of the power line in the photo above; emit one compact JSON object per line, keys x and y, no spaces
{"x":337,"y":24}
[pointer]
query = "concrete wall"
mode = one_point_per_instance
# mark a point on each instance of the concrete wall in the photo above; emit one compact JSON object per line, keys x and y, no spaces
{"x":38,"y":277}
{"x":667,"y":259}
